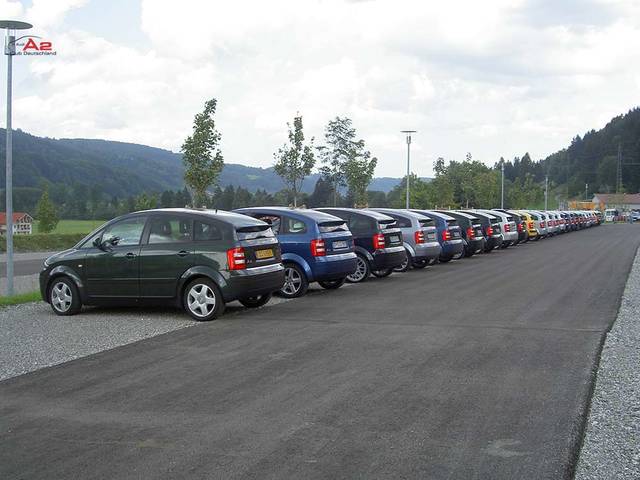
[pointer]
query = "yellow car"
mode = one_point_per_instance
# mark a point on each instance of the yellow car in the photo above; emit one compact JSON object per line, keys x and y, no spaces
{"x":531,"y":225}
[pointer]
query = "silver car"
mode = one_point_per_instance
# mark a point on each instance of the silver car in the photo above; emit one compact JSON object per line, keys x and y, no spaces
{"x":540,"y":223}
{"x":419,"y":235}
{"x":508,"y":226}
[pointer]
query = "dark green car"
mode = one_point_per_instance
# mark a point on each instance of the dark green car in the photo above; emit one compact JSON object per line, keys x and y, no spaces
{"x":195,"y":259}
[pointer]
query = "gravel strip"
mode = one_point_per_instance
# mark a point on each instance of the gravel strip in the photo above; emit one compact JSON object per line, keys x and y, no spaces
{"x":33,"y":337}
{"x":611,"y":447}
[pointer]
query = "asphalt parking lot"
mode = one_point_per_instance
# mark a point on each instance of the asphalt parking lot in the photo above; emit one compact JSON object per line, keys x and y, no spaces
{"x":481,"y":368}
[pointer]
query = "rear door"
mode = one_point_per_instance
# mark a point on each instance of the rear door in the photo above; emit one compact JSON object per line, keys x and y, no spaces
{"x":392,"y":234}
{"x":429,"y":229}
{"x":336,"y":235}
{"x":166,"y":253}
{"x":454,"y":229}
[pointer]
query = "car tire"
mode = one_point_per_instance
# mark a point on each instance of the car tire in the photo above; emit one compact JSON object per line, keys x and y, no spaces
{"x":382,"y":273}
{"x":332,"y":284}
{"x":64,"y":296}
{"x":363,"y":270}
{"x":445,"y":259}
{"x":202,"y":300}
{"x":296,"y":283}
{"x":406,"y":265}
{"x":420,"y":263}
{"x":255,"y":302}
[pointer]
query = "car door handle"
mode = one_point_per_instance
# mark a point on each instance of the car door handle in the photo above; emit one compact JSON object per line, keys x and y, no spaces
{"x":130,"y":255}
{"x":183,"y":253}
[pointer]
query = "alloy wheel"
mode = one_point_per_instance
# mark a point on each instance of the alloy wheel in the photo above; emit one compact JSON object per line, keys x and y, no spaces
{"x":201,"y":300}
{"x":292,"y":281}
{"x":61,"y":297}
{"x":361,"y":271}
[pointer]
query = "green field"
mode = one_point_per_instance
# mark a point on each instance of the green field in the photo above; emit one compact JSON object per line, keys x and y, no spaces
{"x":73,"y":226}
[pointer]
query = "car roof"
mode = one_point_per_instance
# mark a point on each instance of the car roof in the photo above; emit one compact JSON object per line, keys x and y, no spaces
{"x":236,"y":219}
{"x":369,"y":213}
{"x":300,"y":213}
{"x":462,"y":214}
{"x":441,"y":215}
{"x":401,"y":211}
{"x":486,"y":213}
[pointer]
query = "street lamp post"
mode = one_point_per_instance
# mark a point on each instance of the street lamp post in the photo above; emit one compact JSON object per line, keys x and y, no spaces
{"x":408,"y":134}
{"x":10,"y":27}
{"x":502,"y":188}
{"x":546,"y":192}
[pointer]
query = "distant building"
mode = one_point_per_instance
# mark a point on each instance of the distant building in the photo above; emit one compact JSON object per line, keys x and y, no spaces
{"x":620,"y":201}
{"x":22,"y":223}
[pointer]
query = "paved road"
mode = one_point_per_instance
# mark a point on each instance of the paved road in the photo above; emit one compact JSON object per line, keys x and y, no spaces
{"x":24,"y":263}
{"x":476,"y":369}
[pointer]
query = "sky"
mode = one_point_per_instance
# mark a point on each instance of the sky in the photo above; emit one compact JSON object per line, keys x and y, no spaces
{"x":496,"y":79}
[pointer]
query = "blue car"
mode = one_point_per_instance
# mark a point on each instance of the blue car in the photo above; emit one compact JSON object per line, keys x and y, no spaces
{"x":449,"y":234}
{"x":316,"y":247}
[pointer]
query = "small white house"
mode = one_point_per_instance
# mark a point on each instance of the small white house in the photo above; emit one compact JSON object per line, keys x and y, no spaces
{"x":22,"y":223}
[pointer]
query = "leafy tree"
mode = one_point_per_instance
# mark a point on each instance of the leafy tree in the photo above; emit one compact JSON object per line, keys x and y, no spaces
{"x":46,"y":213}
{"x":323,"y":194}
{"x":201,"y":155}
{"x":146,"y":202}
{"x":295,"y":160}
{"x":167,"y":199}
{"x":341,"y":146}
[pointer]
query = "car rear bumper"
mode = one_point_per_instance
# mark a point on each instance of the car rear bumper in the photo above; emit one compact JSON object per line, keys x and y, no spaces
{"x":452,"y":248}
{"x":253,"y":282}
{"x":427,"y":250}
{"x":333,"y":267}
{"x":510,"y":236}
{"x":388,"y":258}
{"x":475,"y":245}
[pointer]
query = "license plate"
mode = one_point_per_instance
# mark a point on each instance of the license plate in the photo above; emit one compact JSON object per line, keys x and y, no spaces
{"x":339,"y":244}
{"x":262,"y":254}
{"x":431,"y":236}
{"x":394,"y":238}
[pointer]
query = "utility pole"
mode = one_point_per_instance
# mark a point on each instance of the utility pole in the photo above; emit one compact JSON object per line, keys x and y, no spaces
{"x":502,"y":193}
{"x":10,"y":27}
{"x":546,"y":192}
{"x":586,"y":192}
{"x":408,"y":134}
{"x":619,"y":171}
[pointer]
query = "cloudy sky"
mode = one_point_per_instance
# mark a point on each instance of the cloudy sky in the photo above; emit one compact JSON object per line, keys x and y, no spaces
{"x":493,"y":78}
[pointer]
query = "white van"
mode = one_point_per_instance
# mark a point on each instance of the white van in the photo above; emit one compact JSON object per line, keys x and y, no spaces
{"x":610,"y":214}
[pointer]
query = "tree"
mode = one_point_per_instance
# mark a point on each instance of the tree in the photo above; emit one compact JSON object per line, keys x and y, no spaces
{"x":341,"y":145}
{"x":295,"y":160}
{"x":201,"y":155}
{"x":146,"y":202}
{"x":323,"y":193}
{"x":46,"y":213}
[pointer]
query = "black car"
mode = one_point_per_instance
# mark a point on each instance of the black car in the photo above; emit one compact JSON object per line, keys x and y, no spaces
{"x":471,"y":228}
{"x":490,"y":228}
{"x":195,"y":259}
{"x":378,"y":242}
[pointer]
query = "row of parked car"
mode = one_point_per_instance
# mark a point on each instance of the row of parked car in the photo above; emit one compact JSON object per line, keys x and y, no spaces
{"x":202,"y":259}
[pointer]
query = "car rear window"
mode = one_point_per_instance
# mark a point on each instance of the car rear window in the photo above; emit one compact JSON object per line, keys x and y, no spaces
{"x":333,"y":226}
{"x":205,"y":231}
{"x":452,"y":223}
{"x":426,"y":222}
{"x":385,"y":224}
{"x":254,"y":231}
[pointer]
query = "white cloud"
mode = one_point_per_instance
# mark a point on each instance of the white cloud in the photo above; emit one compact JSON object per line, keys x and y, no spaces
{"x":494,"y":78}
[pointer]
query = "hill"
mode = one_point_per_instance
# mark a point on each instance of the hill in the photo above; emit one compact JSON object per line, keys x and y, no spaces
{"x":124,"y":169}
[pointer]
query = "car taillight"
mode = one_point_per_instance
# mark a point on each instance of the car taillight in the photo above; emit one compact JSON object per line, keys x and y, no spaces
{"x":419,"y":236}
{"x":530,"y":225}
{"x":318,"y":248}
{"x":446,"y":235}
{"x":541,"y":224}
{"x":507,"y":227}
{"x":236,"y":259}
{"x":378,"y":241}
{"x":470,"y":233}
{"x":519,"y":228}
{"x":489,"y":231}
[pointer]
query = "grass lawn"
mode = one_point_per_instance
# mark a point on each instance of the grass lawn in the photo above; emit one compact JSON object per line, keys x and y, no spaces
{"x":73,"y":226}
{"x":21,"y":298}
